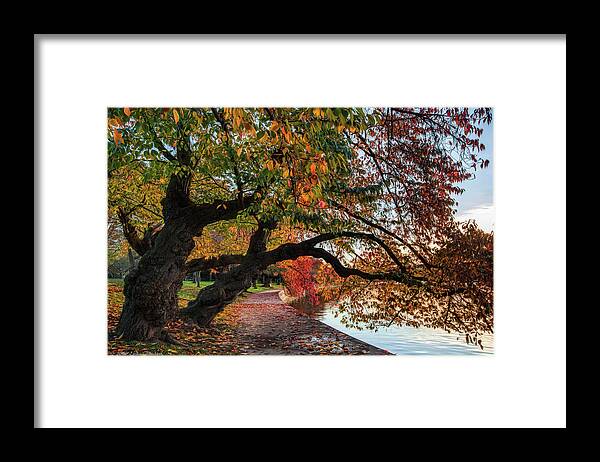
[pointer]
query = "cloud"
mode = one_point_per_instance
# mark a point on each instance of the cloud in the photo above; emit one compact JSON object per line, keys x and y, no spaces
{"x":484,"y":216}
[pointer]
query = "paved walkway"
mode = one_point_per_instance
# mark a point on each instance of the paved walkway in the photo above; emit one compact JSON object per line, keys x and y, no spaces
{"x":266,"y":325}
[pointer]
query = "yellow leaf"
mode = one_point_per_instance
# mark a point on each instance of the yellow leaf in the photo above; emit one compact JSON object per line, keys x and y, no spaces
{"x":127,"y":111}
{"x":176,"y":116}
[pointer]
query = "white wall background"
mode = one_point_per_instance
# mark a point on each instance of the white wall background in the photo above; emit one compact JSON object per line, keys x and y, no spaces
{"x":524,"y":384}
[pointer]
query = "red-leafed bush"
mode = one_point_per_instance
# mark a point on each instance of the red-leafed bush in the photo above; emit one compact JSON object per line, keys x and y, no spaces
{"x":299,"y":277}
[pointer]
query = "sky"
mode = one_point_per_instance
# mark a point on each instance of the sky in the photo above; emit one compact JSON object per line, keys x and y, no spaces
{"x":477,"y":202}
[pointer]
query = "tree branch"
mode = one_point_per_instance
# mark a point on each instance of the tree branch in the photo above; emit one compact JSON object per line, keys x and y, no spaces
{"x":345,"y":272}
{"x":161,"y":147}
{"x":383,"y":230}
{"x":220,"y":209}
{"x":140,"y":244}
{"x":290,"y":251}
{"x":204,"y":264}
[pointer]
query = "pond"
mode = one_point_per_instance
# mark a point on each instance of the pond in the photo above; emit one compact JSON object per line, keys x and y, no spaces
{"x":408,"y":340}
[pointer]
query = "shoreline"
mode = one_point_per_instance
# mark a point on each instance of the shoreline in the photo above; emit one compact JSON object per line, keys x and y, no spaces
{"x":372,"y":348}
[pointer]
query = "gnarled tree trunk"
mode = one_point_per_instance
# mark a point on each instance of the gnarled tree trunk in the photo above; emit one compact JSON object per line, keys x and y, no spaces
{"x":151,"y":288}
{"x":213,"y":299}
{"x":230,"y":284}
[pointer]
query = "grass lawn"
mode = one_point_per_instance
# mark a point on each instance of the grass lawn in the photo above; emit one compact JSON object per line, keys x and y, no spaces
{"x":189,"y":290}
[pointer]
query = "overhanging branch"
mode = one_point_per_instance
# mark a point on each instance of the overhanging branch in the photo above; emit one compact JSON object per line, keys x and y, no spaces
{"x":204,"y":264}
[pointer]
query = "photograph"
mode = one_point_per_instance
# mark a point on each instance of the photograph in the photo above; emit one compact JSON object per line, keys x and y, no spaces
{"x":300,"y":231}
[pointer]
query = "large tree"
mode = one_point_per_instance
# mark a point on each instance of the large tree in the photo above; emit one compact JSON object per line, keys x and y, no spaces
{"x":208,"y":165}
{"x":368,"y":191}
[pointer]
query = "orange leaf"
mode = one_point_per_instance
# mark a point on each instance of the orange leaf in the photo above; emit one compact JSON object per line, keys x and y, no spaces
{"x":176,"y":116}
{"x":117,"y":136}
{"x":127,"y":111}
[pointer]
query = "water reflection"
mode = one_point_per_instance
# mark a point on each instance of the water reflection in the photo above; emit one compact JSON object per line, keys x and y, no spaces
{"x":405,"y":340}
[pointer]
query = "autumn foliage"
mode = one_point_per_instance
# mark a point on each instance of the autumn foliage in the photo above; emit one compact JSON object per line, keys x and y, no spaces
{"x":360,"y":204}
{"x":300,"y":279}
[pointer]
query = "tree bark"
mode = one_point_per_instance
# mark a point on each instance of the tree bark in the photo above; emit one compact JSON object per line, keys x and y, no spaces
{"x":230,"y":284}
{"x":151,"y":288}
{"x":227,"y":287}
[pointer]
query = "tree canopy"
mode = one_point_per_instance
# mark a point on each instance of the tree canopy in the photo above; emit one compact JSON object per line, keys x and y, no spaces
{"x":369,"y":191}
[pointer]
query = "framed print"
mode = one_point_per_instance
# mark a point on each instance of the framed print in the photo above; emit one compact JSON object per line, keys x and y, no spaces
{"x":283,"y":227}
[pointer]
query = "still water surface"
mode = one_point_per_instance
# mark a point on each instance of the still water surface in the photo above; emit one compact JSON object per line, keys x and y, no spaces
{"x":408,"y":340}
